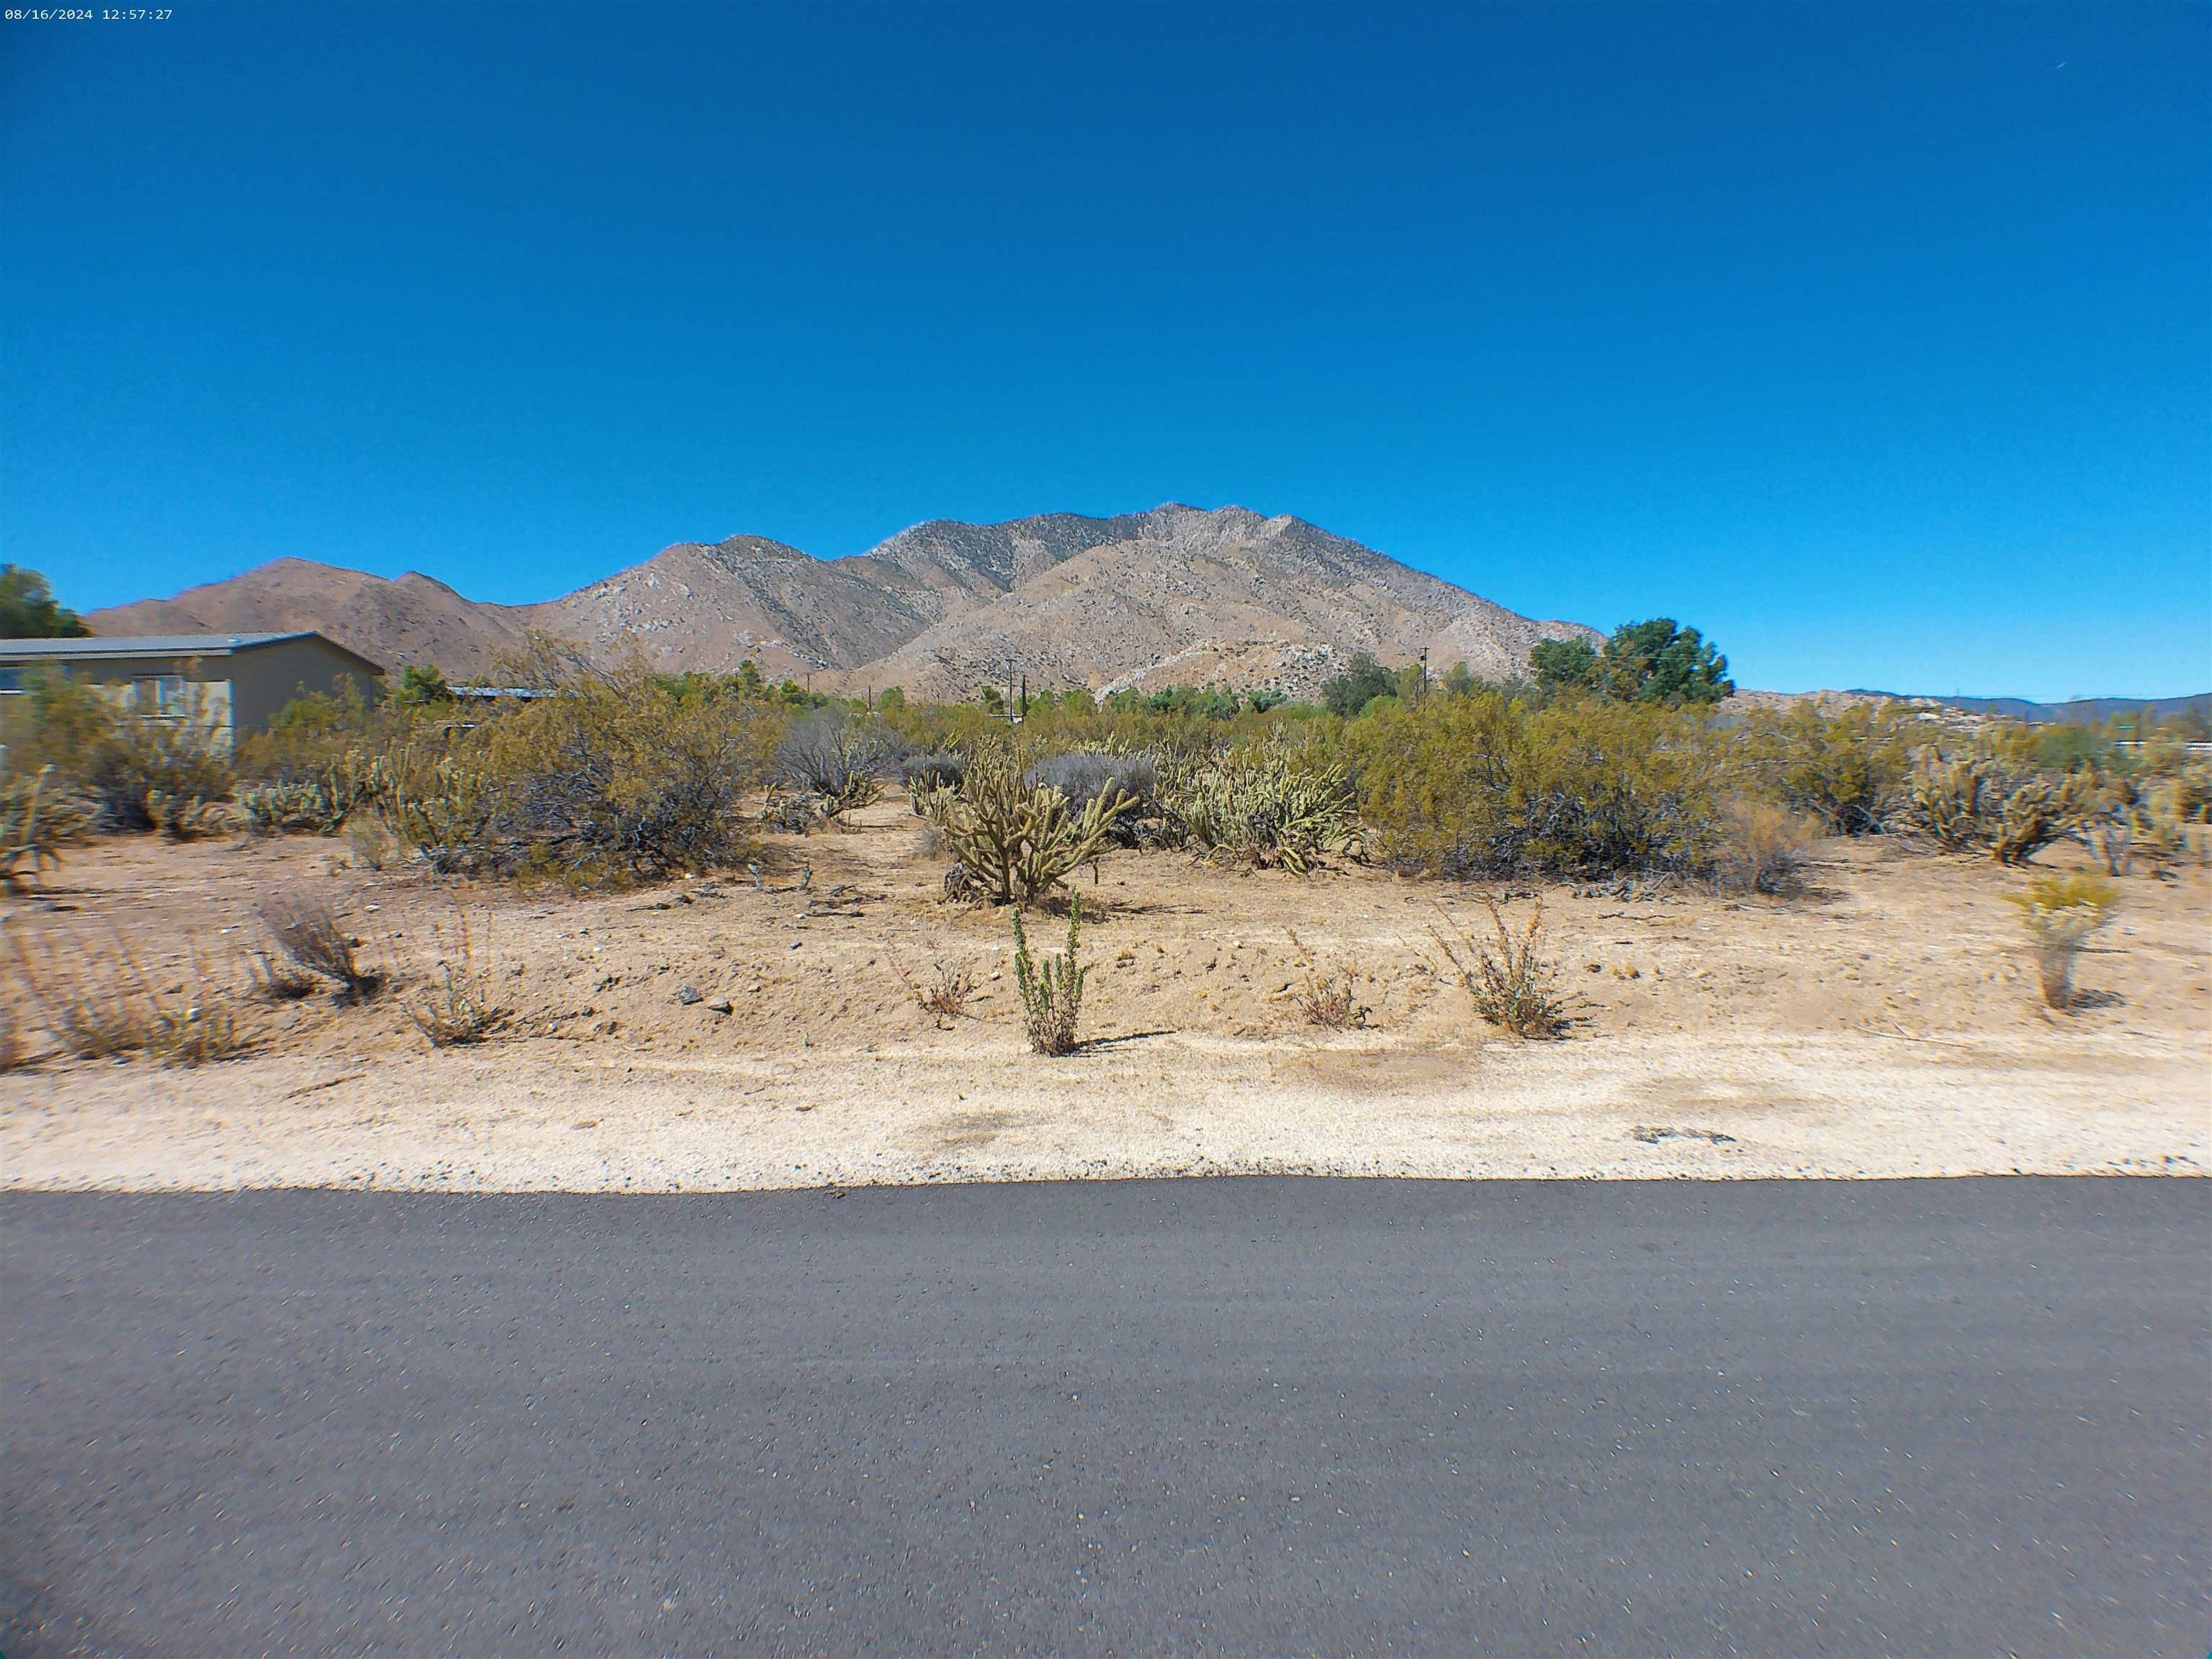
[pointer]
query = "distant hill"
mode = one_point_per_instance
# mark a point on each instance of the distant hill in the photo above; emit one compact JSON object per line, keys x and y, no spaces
{"x":2082,"y":709}
{"x":1176,"y":595}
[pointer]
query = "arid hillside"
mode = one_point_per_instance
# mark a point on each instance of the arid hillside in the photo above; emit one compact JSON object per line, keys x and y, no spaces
{"x":412,"y":619}
{"x":1175,"y":595}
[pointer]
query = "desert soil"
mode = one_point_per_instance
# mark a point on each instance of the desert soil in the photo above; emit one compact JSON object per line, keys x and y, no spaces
{"x":1884,"y":1024}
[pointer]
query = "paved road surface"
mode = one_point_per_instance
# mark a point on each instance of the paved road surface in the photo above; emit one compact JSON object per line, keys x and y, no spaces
{"x":1229,"y":1416}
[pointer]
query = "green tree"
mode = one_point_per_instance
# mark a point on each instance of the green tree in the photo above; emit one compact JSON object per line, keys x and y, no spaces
{"x":1661,"y":661}
{"x":1564,"y":664}
{"x":422,"y":686}
{"x":1364,"y":680}
{"x":27,"y":611}
{"x":749,"y":683}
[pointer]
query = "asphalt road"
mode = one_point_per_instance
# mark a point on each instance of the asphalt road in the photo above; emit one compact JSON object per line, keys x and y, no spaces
{"x":1251,"y":1416}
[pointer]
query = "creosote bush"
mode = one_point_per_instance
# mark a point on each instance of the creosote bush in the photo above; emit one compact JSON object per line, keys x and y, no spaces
{"x":611,"y":779}
{"x":1051,"y":990}
{"x":1510,"y":982}
{"x":1847,"y":769}
{"x":1486,"y":786}
{"x":2060,"y":914}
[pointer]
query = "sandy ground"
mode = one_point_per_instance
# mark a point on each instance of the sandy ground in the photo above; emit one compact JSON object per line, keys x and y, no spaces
{"x":1885,"y":1025}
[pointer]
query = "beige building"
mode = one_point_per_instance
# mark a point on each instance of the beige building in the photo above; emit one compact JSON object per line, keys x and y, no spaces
{"x":229,"y":682}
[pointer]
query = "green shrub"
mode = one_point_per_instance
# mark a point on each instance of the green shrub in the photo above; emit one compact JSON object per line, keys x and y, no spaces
{"x":1364,"y":680}
{"x":1051,"y":990}
{"x":2060,"y":914}
{"x":1484,"y":786}
{"x":1847,"y":769}
{"x":613,"y":779}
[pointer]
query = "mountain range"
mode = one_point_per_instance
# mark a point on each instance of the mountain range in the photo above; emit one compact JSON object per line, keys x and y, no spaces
{"x":1174,"y":596}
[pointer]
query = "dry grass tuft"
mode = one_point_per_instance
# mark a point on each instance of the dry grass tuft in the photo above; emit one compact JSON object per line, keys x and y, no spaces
{"x":1511,"y":981}
{"x":456,"y":1007}
{"x":91,"y":997}
{"x":1328,"y":997}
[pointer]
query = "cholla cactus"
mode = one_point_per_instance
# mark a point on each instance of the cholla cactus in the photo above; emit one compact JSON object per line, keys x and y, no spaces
{"x":1260,"y":805}
{"x":36,"y":819}
{"x":1017,"y":843}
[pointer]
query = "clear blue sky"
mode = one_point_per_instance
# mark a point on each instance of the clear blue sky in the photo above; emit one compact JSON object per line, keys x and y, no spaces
{"x":1876,"y":340}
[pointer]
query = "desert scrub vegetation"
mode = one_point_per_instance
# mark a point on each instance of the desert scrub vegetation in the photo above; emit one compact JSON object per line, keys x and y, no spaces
{"x":1327,"y":996}
{"x":944,"y":995}
{"x":135,"y":772}
{"x":38,"y":819}
{"x":1486,"y":786}
{"x":1262,"y":805}
{"x":1981,"y":803}
{"x":457,"y":1007}
{"x":309,"y":932}
{"x":610,"y":780}
{"x":1084,"y":775}
{"x":98,"y":1003}
{"x":1512,"y":984}
{"x":1847,"y":769}
{"x":1014,"y":842}
{"x":1051,"y":989}
{"x":1764,"y":849}
{"x":2061,"y":913}
{"x":829,"y":763}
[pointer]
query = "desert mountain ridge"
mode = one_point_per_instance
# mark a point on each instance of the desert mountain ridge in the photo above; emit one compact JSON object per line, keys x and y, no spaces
{"x":1177,"y":595}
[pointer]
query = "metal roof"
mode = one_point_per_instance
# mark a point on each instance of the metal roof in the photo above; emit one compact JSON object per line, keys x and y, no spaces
{"x":162,"y":645}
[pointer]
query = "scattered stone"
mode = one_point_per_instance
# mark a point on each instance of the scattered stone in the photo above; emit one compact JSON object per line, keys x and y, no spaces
{"x":687,"y":995}
{"x":721,"y":1006}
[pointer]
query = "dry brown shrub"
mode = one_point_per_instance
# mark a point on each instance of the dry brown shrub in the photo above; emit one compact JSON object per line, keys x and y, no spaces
{"x":1764,"y":849}
{"x":1327,"y":997}
{"x":944,"y":996}
{"x":456,"y":1007}
{"x":1511,"y":982}
{"x":307,"y":929}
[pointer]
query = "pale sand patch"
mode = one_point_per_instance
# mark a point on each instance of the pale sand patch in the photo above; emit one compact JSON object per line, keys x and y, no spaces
{"x":529,"y":1117}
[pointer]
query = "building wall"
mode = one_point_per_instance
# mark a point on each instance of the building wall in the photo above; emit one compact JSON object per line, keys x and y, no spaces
{"x":264,"y":677}
{"x":231,"y":694}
